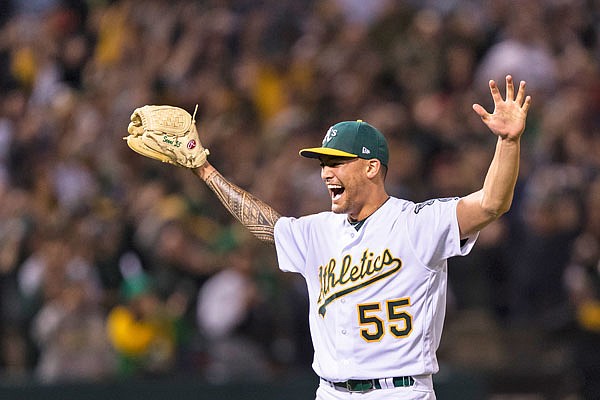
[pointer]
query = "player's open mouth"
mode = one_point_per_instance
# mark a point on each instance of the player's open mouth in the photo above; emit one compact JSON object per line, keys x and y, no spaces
{"x":335,"y":191}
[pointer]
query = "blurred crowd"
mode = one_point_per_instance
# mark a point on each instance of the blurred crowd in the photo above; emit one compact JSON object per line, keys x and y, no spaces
{"x":115,"y":265}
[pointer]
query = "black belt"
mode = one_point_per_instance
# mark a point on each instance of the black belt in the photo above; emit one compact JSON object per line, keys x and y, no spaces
{"x":358,"y":385}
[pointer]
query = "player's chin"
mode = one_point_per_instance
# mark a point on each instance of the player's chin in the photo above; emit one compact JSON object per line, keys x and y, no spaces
{"x":339,"y":203}
{"x":338,"y":208}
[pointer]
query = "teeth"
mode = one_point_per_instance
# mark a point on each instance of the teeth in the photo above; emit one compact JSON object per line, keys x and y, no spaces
{"x":335,"y":190}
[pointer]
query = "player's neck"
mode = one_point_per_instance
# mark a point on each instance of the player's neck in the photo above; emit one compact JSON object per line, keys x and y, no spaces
{"x":369,"y":208}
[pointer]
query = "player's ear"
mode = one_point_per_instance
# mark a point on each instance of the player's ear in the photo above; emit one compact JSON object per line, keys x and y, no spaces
{"x":373,"y":168}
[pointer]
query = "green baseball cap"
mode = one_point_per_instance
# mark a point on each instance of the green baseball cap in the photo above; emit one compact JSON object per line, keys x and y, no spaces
{"x":351,"y":139}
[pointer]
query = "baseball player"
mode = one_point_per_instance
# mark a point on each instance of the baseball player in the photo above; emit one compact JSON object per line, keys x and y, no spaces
{"x":375,"y":265}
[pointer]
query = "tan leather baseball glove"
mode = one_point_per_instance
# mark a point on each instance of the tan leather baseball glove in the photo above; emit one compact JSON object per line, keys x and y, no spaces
{"x":166,"y":133}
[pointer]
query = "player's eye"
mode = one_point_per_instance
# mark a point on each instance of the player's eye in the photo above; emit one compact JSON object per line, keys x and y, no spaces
{"x":331,"y":163}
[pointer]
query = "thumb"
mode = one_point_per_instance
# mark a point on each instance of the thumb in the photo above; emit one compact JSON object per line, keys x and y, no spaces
{"x":480,"y":110}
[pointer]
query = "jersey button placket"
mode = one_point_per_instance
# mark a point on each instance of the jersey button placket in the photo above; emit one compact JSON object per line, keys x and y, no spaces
{"x":346,"y":311}
{"x":343,"y":307}
{"x":344,"y":335}
{"x":350,"y":236}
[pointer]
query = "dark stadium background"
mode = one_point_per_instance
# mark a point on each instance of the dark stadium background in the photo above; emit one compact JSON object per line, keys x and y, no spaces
{"x":124,"y":278}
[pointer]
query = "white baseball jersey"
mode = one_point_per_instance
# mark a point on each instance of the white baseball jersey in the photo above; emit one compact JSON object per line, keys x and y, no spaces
{"x":377,"y":295}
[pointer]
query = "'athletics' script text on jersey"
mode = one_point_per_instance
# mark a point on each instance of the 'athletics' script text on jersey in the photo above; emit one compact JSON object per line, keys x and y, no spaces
{"x":350,"y":277}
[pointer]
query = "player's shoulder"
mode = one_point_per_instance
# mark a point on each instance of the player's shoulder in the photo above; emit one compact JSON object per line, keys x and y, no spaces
{"x":397,"y":205}
{"x":439,"y":202}
{"x":397,"y":202}
{"x":409,"y":206}
{"x":326,"y":217}
{"x":316,"y":218}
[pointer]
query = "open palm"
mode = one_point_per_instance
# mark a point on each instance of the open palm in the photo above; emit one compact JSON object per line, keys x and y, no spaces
{"x":508,"y":119}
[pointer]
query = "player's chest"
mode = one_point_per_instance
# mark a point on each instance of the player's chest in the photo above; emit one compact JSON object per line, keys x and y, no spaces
{"x":356,"y":272}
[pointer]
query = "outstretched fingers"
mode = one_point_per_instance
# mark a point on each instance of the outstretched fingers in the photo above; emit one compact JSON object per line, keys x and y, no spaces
{"x":495,"y":91}
{"x":510,"y":88}
{"x":503,"y":105}
{"x":496,"y":96}
{"x":478,"y":108}
{"x":521,"y":99}
{"x":520,"y":93}
{"x":526,"y":104}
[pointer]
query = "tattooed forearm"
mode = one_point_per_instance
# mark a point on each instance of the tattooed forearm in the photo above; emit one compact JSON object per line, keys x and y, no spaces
{"x":254,"y":214}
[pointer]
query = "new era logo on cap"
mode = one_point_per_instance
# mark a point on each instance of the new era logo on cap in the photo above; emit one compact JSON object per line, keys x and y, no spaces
{"x":351,"y":139}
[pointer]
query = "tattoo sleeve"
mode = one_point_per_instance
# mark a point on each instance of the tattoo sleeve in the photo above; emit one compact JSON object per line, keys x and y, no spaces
{"x":254,"y":214}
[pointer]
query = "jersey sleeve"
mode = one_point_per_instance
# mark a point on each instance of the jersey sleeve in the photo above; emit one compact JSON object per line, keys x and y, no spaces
{"x":434,"y":233}
{"x":291,"y":244}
